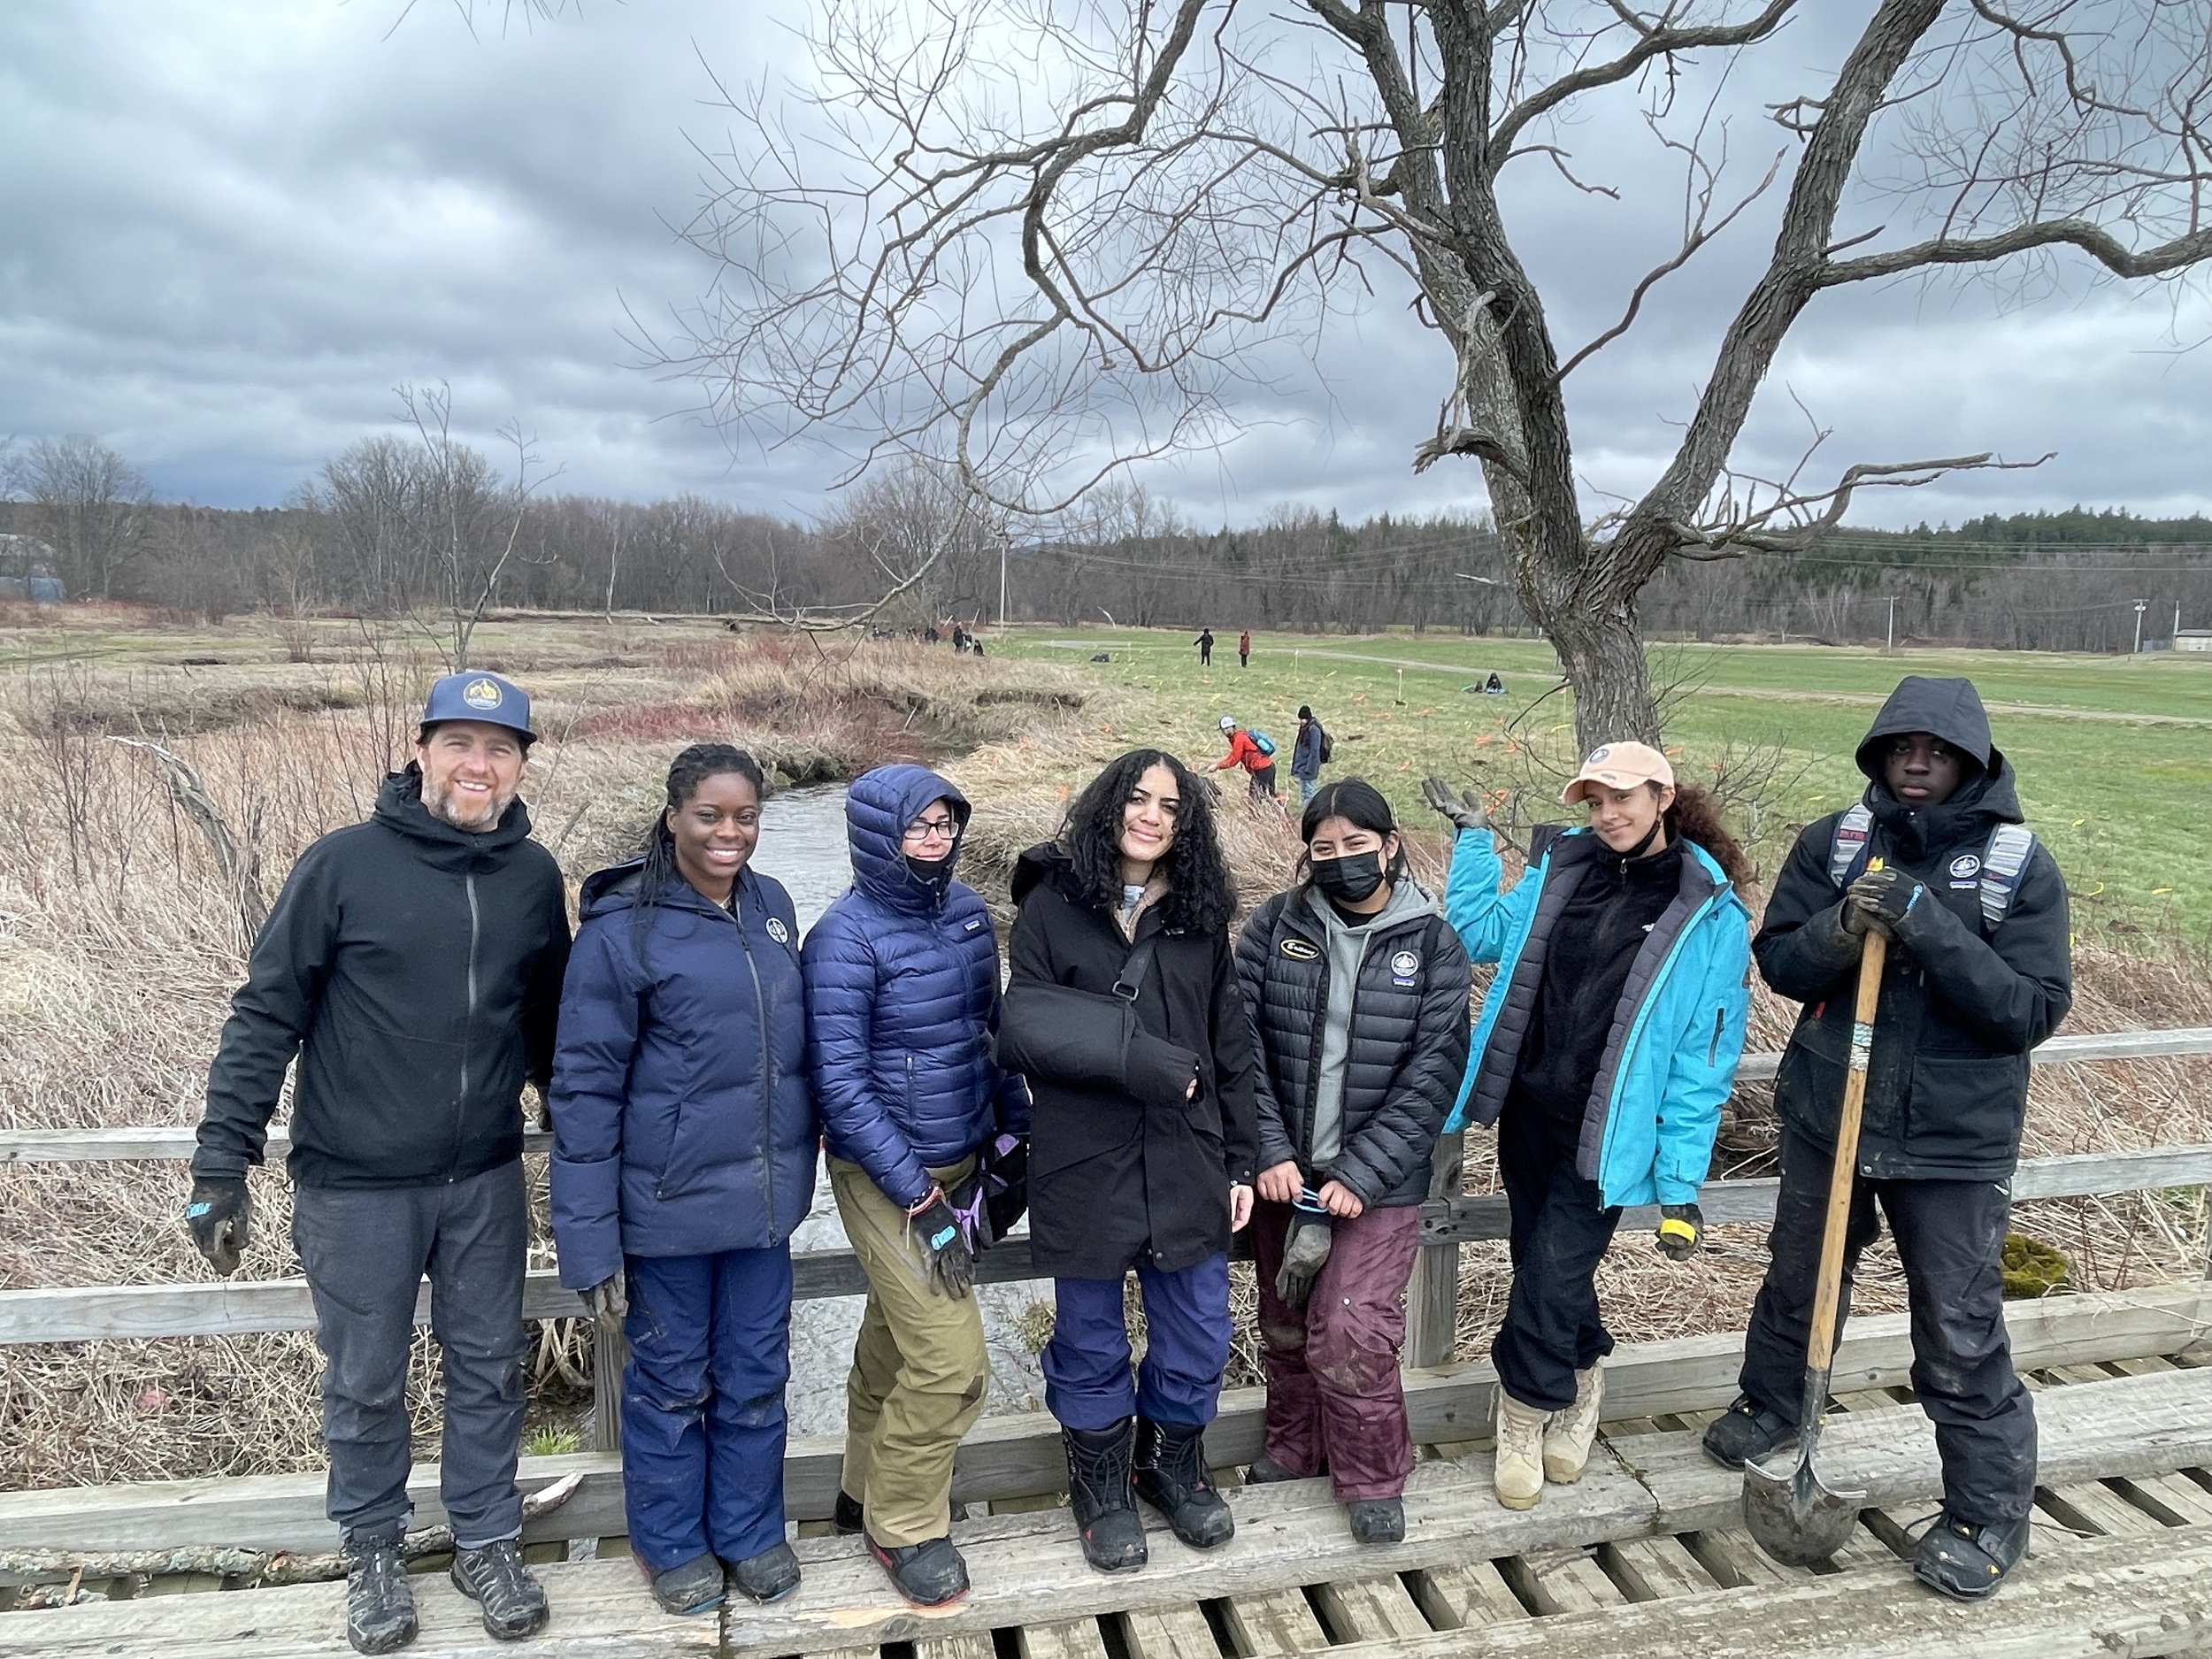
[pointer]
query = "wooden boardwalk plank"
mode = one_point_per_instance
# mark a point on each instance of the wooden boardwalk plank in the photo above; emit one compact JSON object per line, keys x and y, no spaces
{"x":1073,"y":1639}
{"x":1178,"y":1632}
{"x":1275,"y":1622}
{"x":1652,"y":1569}
{"x":1372,"y":1609}
{"x":1462,"y":1595}
{"x":975,"y":1644}
{"x":1559,"y":1581}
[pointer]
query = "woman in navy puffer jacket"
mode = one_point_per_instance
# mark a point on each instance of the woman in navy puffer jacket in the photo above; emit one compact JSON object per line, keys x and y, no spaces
{"x":684,"y":1140}
{"x":903,"y":998}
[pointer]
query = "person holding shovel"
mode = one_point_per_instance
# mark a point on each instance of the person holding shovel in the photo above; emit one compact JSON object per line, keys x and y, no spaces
{"x":1978,"y":971}
{"x":1358,"y":988}
{"x":1606,"y":1045}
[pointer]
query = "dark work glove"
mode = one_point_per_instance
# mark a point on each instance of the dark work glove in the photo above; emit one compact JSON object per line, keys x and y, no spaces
{"x":1466,"y":812}
{"x":220,"y":1215}
{"x":951,"y":1263}
{"x":1878,"y":900}
{"x":609,"y":1302}
{"x":1681,"y":1229}
{"x":1305,"y":1249}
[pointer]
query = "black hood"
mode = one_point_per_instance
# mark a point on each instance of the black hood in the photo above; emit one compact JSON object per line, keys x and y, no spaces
{"x":1043,"y":861}
{"x":399,"y":805}
{"x":1951,"y":709}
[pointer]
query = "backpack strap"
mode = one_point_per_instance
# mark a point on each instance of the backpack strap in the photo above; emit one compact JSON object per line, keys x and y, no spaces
{"x":1130,"y":981}
{"x":2004,"y":861}
{"x":1853,"y":829}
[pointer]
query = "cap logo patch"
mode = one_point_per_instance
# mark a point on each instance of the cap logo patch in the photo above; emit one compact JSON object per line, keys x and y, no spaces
{"x":1966,"y":864}
{"x":1597,"y":753}
{"x":777,"y":932}
{"x":1406,"y":963}
{"x":481,"y":694}
{"x":1299,"y":950}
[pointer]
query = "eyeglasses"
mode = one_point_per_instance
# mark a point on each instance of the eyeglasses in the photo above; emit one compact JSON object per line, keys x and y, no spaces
{"x":923,"y":829}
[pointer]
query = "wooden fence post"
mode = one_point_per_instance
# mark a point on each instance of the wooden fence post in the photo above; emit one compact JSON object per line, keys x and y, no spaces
{"x":608,"y":1354}
{"x":1432,"y":1298}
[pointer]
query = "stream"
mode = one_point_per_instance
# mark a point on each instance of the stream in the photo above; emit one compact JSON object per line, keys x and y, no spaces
{"x":802,"y":845}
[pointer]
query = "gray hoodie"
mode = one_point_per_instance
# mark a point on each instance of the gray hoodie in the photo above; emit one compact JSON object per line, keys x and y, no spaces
{"x":1348,"y":949}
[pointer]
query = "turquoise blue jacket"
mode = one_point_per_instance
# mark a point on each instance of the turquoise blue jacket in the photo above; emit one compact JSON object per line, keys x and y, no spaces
{"x":1672,"y":1060}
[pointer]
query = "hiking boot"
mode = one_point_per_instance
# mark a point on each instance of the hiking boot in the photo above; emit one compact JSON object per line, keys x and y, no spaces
{"x":1265,"y":1472}
{"x":1966,"y":1562}
{"x":693,"y":1586}
{"x":847,"y":1517}
{"x":768,"y":1577}
{"x":1104,"y":1502}
{"x":1377,"y":1520}
{"x":512,"y":1602}
{"x":928,"y":1574}
{"x":1747,"y":1432}
{"x":1568,"y":1435}
{"x":380,"y":1601}
{"x":1170,"y":1476}
{"x":1520,"y":1471}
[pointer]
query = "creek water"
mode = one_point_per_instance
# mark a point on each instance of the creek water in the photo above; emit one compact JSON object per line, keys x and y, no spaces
{"x":802,"y":845}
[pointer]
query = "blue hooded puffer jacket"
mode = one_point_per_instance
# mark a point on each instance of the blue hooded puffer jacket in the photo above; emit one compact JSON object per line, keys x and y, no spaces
{"x":903,"y":999}
{"x":682,"y":1121}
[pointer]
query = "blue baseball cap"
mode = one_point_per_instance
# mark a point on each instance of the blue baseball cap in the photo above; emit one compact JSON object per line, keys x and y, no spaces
{"x":479,"y":696}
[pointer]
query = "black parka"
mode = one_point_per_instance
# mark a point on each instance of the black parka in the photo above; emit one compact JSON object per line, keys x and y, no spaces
{"x":415,"y":969}
{"x":1962,"y":1002}
{"x":1408,"y":1053}
{"x":1120,"y":1173}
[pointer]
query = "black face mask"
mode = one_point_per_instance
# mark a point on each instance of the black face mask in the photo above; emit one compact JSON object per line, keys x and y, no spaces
{"x":930,"y":869}
{"x":1352,"y":878}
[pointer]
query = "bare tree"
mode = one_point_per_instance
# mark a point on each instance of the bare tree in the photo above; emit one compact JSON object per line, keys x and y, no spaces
{"x":1043,"y":235}
{"x":919,"y":539}
{"x":89,"y":504}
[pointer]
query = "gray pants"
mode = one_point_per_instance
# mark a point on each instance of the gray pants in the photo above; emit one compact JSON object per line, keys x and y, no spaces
{"x":364,"y":1251}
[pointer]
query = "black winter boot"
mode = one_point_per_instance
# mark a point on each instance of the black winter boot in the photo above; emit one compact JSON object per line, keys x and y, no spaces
{"x":1377,"y":1520}
{"x":1747,"y":1432}
{"x":768,"y":1577}
{"x":379,"y":1603}
{"x":1966,"y":1562}
{"x":1105,"y":1503}
{"x":689,"y":1586}
{"x":1171,"y":1467}
{"x":846,"y":1517}
{"x":932,"y":1573}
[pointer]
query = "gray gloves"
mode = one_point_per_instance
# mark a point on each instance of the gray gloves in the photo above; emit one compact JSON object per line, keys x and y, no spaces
{"x":1465,"y":811}
{"x":609,"y":1302}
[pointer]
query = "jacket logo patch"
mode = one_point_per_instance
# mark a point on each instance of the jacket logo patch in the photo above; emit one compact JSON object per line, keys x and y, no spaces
{"x":973,"y":924}
{"x":777,"y":932}
{"x":1966,"y":864}
{"x":1299,"y":950}
{"x":481,"y":694}
{"x":1406,"y":963}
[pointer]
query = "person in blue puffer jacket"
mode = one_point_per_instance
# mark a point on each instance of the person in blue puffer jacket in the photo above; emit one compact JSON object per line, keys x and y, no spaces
{"x":683,"y":1156}
{"x":903,"y":1000}
{"x":1606,"y":1046}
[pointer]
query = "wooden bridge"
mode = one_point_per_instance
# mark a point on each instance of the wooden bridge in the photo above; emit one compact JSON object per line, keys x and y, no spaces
{"x":1645,"y":1557}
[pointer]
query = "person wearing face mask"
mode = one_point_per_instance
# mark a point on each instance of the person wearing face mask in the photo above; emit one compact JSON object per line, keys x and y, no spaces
{"x":1606,"y":1044}
{"x":902,"y":996}
{"x":1357,"y":989}
{"x":683,"y":1156}
{"x":1979,"y":971}
{"x":1122,"y":1009}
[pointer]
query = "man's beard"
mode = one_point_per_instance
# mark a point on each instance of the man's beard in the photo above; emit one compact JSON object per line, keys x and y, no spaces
{"x":443,"y":806}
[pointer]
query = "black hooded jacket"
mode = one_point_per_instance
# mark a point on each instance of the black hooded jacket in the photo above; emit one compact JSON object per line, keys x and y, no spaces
{"x":415,"y":969}
{"x":1962,"y":1003}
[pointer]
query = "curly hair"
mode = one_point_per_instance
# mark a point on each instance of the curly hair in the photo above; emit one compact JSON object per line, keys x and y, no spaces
{"x":690,"y":769}
{"x":1202,"y":896}
{"x":1695,"y":816}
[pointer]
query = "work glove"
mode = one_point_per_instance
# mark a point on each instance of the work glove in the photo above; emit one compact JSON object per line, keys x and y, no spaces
{"x":1466,"y":812}
{"x":1681,"y":1229}
{"x":951,"y":1262}
{"x":1878,"y":900}
{"x":609,"y":1302}
{"x":1305,"y":1249}
{"x":220,"y":1215}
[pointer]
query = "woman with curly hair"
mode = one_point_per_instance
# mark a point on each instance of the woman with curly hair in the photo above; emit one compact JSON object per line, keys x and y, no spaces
{"x":1124,"y":1011}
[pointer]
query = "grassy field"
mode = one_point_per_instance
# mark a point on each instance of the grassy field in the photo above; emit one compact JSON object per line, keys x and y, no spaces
{"x":2115,"y":753}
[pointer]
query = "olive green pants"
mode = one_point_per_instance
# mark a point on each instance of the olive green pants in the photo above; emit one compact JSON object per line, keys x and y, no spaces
{"x":919,"y":1369}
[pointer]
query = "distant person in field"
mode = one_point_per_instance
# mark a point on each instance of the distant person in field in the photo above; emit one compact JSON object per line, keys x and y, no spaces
{"x":1979,"y":970}
{"x":1309,"y":753}
{"x":1255,"y":754}
{"x":414,"y":964}
{"x":1205,"y":644}
{"x":1244,"y":649}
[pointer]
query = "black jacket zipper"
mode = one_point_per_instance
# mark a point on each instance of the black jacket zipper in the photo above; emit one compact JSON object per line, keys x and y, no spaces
{"x":468,"y":1030}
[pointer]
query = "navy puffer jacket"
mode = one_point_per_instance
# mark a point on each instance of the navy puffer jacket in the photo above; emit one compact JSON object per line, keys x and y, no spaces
{"x":902,"y":997}
{"x":682,"y":1123}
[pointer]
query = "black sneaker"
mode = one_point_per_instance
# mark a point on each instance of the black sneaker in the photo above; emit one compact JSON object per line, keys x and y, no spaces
{"x":692,"y":1586}
{"x":928,"y":1574}
{"x":1170,"y":1476}
{"x":1966,"y":1562}
{"x":768,"y":1577}
{"x":847,"y":1517}
{"x":380,"y":1601}
{"x":1104,"y":1502}
{"x":512,"y":1602}
{"x":1377,"y":1521}
{"x":1747,"y":1432}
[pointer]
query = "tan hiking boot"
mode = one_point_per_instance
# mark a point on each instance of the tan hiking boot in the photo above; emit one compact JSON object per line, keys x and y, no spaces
{"x":1520,"y":1477}
{"x":1567,"y":1437}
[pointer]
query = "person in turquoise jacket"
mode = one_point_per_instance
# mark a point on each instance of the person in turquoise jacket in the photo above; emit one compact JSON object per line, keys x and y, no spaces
{"x":1606,"y":1044}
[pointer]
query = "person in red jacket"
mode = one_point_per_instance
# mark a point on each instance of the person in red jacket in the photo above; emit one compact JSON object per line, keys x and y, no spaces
{"x":1245,"y":753}
{"x":1244,"y":649}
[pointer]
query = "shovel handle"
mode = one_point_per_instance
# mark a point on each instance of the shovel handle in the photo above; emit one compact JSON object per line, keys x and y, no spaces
{"x":1821,"y":1348}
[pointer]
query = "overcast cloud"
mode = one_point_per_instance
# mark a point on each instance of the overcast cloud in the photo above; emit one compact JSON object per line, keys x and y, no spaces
{"x":229,"y":228}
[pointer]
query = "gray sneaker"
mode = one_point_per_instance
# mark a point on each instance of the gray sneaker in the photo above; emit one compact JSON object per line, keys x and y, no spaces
{"x":379,"y":1603}
{"x":495,"y":1578}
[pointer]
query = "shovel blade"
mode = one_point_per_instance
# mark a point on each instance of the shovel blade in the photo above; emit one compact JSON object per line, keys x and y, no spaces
{"x":1794,"y":1517}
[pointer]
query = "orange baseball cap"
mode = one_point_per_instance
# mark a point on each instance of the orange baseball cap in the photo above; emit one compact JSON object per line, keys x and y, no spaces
{"x":1618,"y":766}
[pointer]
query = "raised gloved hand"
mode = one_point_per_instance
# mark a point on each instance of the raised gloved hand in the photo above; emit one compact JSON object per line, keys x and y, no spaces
{"x":951,"y":1262}
{"x":1681,"y":1229}
{"x":220,"y":1215}
{"x":1878,"y":900}
{"x":609,"y":1302}
{"x":1305,"y":1249}
{"x":1465,"y":811}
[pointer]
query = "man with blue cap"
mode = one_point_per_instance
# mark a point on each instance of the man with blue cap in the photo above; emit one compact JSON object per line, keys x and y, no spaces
{"x":413,"y":966}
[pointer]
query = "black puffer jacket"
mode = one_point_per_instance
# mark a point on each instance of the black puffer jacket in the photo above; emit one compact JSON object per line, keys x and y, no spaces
{"x":415,"y":969}
{"x":1962,"y":1003}
{"x":1120,"y":1173}
{"x":1408,"y":1051}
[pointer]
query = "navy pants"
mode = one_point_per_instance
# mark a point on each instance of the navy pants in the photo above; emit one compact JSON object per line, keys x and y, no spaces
{"x":1560,"y":1230}
{"x":1087,"y":1364}
{"x":702,"y":1411}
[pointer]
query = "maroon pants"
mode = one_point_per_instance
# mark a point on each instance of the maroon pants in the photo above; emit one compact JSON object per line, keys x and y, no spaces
{"x":1334,"y":1400}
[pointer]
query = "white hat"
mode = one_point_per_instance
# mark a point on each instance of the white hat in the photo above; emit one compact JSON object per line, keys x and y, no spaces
{"x":1228,"y":723}
{"x":1618,"y":766}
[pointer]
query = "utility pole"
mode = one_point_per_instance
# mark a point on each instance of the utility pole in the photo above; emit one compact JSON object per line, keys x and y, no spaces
{"x":2141,"y":605}
{"x":1005,"y":541}
{"x":1892,"y":646}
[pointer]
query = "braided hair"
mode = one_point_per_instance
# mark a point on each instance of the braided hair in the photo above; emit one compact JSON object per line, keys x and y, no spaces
{"x":686,"y":773}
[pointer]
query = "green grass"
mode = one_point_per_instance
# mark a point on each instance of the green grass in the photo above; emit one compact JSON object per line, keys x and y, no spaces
{"x":2115,"y":753}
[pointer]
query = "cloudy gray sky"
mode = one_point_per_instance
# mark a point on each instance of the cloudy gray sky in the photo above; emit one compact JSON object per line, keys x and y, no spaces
{"x":229,"y":228}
